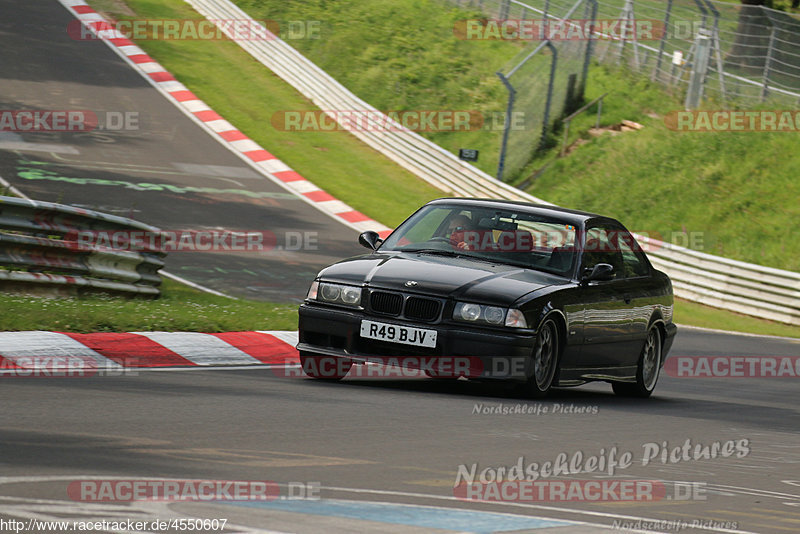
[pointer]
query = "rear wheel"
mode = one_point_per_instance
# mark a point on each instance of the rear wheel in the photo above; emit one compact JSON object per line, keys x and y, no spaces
{"x":324,"y":367}
{"x":543,"y":365}
{"x":647,"y":370}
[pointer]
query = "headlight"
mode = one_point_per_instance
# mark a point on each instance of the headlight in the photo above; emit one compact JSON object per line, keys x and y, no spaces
{"x":331,"y":292}
{"x":468,"y":312}
{"x":494,"y":315}
{"x":351,"y":295}
{"x":337,"y":294}
{"x":477,"y":313}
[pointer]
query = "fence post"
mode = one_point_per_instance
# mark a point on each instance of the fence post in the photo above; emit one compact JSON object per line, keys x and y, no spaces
{"x":501,"y":163}
{"x":767,"y":65}
{"x":663,"y":42}
{"x":630,"y":18}
{"x":717,"y":53}
{"x":599,"y":113}
{"x":550,"y":83}
{"x":699,"y":69}
{"x":544,"y":32}
{"x":504,"y":7}
{"x":587,"y":58}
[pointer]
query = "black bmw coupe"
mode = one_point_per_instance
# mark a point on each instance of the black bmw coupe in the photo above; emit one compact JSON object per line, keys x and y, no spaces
{"x":491,"y":289}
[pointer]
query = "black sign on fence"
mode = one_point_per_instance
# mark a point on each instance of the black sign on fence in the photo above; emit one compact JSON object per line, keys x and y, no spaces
{"x":468,"y":154}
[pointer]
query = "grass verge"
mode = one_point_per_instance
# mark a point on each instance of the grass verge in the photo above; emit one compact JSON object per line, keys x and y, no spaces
{"x":694,"y":314}
{"x":180,"y":308}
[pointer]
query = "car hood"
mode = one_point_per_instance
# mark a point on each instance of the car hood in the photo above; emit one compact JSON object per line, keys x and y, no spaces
{"x":442,"y":276}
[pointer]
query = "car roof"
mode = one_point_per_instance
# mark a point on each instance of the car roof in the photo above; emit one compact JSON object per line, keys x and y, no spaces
{"x":575,"y":217}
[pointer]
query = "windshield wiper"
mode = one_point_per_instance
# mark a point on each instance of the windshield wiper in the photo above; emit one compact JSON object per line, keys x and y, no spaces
{"x":455,"y":254}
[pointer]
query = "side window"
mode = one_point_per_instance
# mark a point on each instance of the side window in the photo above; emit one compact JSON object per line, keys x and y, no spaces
{"x":600,"y":247}
{"x":633,"y":261}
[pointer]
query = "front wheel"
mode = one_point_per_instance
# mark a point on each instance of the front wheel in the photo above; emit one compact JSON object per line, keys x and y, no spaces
{"x":324,"y":367}
{"x":543,"y":365}
{"x":647,"y":370}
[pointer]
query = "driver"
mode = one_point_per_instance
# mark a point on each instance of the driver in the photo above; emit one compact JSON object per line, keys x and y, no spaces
{"x":457,"y":229}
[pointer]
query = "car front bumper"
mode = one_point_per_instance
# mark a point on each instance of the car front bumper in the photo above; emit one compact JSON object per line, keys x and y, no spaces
{"x":475,"y":352}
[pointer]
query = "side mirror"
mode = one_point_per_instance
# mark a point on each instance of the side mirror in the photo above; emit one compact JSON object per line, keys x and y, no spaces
{"x":600,"y":272}
{"x":370,"y":240}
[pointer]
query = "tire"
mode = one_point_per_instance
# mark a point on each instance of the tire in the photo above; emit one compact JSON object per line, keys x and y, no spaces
{"x":324,"y":367}
{"x":543,"y":367}
{"x":647,"y":369}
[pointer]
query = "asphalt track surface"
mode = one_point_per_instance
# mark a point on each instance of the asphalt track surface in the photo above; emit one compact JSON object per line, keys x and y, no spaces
{"x":384,"y":451}
{"x":400,"y":441}
{"x":45,"y":69}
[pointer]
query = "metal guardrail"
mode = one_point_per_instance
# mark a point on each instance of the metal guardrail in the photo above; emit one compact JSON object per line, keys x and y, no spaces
{"x":38,"y":248}
{"x":737,"y":286}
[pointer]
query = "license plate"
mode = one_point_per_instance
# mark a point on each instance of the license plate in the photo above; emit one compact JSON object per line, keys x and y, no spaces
{"x":394,"y":333}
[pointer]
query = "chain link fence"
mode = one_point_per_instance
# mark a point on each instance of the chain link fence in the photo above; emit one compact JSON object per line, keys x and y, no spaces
{"x":728,"y":54}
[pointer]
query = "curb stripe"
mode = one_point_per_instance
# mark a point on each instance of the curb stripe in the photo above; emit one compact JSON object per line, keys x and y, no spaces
{"x":115,"y":350}
{"x":201,"y":349}
{"x":130,"y":350}
{"x":15,"y":346}
{"x":264,"y":347}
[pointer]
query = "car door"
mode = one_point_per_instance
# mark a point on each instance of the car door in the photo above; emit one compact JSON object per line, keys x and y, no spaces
{"x":610,"y":330}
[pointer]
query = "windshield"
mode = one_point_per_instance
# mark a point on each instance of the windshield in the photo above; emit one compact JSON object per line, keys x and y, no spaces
{"x":486,"y":233}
